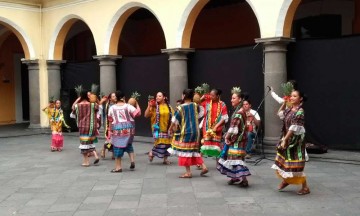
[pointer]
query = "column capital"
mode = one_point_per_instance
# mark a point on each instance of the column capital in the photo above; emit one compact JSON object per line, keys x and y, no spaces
{"x":178,"y":50}
{"x":55,"y":62}
{"x":107,"y":57}
{"x":33,"y":64}
{"x":268,"y":40}
{"x":30,"y":61}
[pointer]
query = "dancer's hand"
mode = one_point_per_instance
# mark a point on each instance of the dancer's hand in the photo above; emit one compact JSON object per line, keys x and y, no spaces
{"x":284,"y":144}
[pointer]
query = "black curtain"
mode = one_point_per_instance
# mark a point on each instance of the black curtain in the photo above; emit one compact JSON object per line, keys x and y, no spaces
{"x":226,"y":68}
{"x":146,"y":75}
{"x":327,"y":70}
{"x":73,"y":74}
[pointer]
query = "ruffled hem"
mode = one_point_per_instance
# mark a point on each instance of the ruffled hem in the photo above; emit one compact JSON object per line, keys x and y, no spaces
{"x":229,"y":164}
{"x":297,"y":129}
{"x":87,"y":146}
{"x":285,"y":174}
{"x":183,"y":154}
{"x":236,"y":172}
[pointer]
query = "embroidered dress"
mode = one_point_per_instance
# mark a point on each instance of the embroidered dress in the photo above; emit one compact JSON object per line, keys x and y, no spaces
{"x":290,"y":162}
{"x":214,"y":113}
{"x":231,"y":162}
{"x":56,"y":119}
{"x":87,"y":121}
{"x":160,"y":123}
{"x":185,"y":142}
{"x":122,"y":127}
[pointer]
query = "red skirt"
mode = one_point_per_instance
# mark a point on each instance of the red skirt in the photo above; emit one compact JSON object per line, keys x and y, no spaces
{"x":190,"y":161}
{"x":57,"y":141}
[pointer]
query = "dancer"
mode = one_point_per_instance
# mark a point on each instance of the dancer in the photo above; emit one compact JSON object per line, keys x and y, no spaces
{"x":215,"y":117}
{"x":160,"y":122}
{"x":56,"y":119}
{"x":290,"y":157}
{"x":231,"y":162}
{"x":122,"y":130}
{"x":185,"y":143}
{"x":87,"y":122}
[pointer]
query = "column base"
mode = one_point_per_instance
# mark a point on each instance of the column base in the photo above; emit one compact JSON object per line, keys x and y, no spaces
{"x":271,"y":141}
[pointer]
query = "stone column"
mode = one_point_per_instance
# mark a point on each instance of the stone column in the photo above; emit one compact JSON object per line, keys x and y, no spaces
{"x":107,"y":72}
{"x":54,"y":77}
{"x":34,"y":92}
{"x":275,"y":73}
{"x":178,"y":76}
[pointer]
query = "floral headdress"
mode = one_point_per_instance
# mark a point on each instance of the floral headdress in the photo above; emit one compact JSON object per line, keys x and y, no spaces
{"x":236,"y":90}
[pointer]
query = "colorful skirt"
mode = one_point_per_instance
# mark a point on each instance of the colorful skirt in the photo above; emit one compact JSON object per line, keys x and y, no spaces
{"x":211,"y":147}
{"x":57,"y":141}
{"x":160,"y":150}
{"x":288,"y":169}
{"x":232,"y":163}
{"x":188,"y":153}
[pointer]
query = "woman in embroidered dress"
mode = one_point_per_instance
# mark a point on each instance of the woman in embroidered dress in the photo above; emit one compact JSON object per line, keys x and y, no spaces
{"x":186,"y":138}
{"x":215,"y":117}
{"x":111,"y":100}
{"x":160,"y":122}
{"x":290,"y":157}
{"x":56,"y":119}
{"x":87,"y":122}
{"x":122,"y":130}
{"x":231,"y":162}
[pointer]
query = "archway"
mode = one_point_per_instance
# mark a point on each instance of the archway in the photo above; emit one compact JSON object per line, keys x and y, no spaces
{"x":223,"y":36}
{"x":14,"y":80}
{"x":138,"y":37}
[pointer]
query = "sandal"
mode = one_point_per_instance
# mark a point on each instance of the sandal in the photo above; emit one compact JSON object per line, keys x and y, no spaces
{"x":232,"y":181}
{"x":282,"y":185}
{"x":96,"y":161}
{"x":204,"y":171}
{"x":116,"y":171}
{"x":186,"y":175}
{"x":303,"y":191}
{"x":132,"y":166}
{"x":85,"y":165}
{"x":244,"y":184}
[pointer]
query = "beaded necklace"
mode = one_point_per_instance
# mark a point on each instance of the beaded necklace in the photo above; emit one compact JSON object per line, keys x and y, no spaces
{"x":54,"y":116}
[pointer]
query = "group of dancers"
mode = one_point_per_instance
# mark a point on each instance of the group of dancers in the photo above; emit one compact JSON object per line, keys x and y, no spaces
{"x":195,"y":128}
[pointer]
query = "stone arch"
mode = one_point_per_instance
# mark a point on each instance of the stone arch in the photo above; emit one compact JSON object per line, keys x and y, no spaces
{"x":21,"y":35}
{"x":59,"y":36}
{"x":117,"y":23}
{"x":286,"y":17}
{"x":189,"y":17}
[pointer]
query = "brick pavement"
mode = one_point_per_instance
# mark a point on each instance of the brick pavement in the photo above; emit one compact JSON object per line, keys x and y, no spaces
{"x":35,"y":181}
